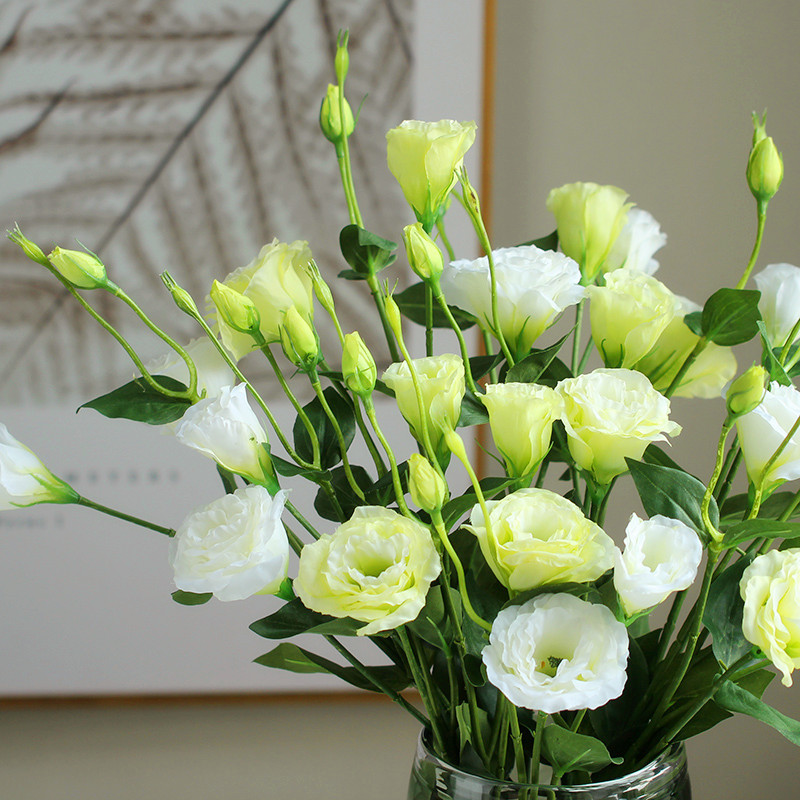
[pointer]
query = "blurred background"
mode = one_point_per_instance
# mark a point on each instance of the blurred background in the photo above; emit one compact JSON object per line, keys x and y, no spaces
{"x":211,"y":150}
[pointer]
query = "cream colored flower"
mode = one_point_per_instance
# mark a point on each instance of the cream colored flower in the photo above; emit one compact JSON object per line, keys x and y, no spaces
{"x":274,"y":281}
{"x":589,"y":219}
{"x":376,"y":568}
{"x":537,"y":538}
{"x":661,"y":556}
{"x":213,"y":372}
{"x":234,"y":547}
{"x":521,"y":417}
{"x":638,"y":241}
{"x":628,"y":315}
{"x":762,"y":431}
{"x":533,"y":287}
{"x":709,"y":372}
{"x":611,"y":415}
{"x":25,"y":480}
{"x":779,"y":304}
{"x":770,"y":588}
{"x":442,"y":382}
{"x":226,"y":429}
{"x":424,"y":157}
{"x":557,"y":653}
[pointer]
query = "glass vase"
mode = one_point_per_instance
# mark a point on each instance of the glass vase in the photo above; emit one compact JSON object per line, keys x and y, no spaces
{"x":665,"y":778}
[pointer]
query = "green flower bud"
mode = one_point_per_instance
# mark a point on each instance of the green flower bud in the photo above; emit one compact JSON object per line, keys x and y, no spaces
{"x":358,"y":366}
{"x":747,"y":391}
{"x":82,"y":270}
{"x":33,"y":251}
{"x":424,"y":256}
{"x":330,"y":119}
{"x":181,"y":297}
{"x":237,"y":311}
{"x":426,"y":486}
{"x":341,"y":61}
{"x":393,"y":316}
{"x":321,"y":289}
{"x":765,"y":164}
{"x":298,"y":339}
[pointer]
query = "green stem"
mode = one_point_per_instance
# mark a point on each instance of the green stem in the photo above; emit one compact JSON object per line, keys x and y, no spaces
{"x":536,"y":756}
{"x":488,"y":347}
{"x":762,"y":218}
{"x":669,"y":625}
{"x":702,"y":342}
{"x":293,"y":510}
{"x":377,"y":295}
{"x":396,"y":483}
{"x":576,"y":339}
{"x":768,"y":466}
{"x":445,"y":241}
{"x":428,"y":320}
{"x":709,"y":493}
{"x":83,"y":501}
{"x":519,"y":755}
{"x":440,"y":299}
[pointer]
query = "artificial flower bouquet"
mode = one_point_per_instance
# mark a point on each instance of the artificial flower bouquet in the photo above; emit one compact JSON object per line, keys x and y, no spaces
{"x":522,"y":625}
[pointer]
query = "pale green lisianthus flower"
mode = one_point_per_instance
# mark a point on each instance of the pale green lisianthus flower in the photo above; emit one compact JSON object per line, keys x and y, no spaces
{"x":521,"y":417}
{"x":25,"y":480}
{"x":536,"y":538}
{"x":770,"y":588}
{"x":638,"y":241}
{"x":628,"y":315}
{"x":376,"y":568}
{"x":424,"y":157}
{"x":779,"y":303}
{"x":443,"y":386}
{"x":275,"y":280}
{"x":611,"y":415}
{"x":589,"y":218}
{"x":234,"y":547}
{"x":557,"y":653}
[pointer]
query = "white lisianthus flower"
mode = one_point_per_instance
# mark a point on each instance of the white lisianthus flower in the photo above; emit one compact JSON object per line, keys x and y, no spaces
{"x":611,"y":415}
{"x":275,"y":280}
{"x":226,"y":429}
{"x":661,"y":556}
{"x":639,"y":240}
{"x":25,"y":480}
{"x":424,"y":157}
{"x":536,"y":537}
{"x":628,"y":315}
{"x":708,"y":373}
{"x":557,"y":653}
{"x":533,"y":287}
{"x":521,"y":417}
{"x":213,"y":373}
{"x":376,"y":568}
{"x":779,"y":304}
{"x":770,"y":588}
{"x":234,"y":547}
{"x":762,"y":431}
{"x":442,"y":383}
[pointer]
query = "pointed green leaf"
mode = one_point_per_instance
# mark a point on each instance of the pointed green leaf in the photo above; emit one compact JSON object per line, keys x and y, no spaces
{"x":411,"y":303}
{"x":366,"y":252}
{"x":730,"y":316}
{"x":138,"y":401}
{"x":760,"y":528}
{"x":723,"y":615}
{"x":540,"y":363}
{"x":733,"y":698}
{"x":567,"y":751}
{"x":191,"y":598}
{"x":294,"y":618}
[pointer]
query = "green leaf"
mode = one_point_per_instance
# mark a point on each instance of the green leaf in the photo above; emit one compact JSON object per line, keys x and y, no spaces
{"x":655,"y":455}
{"x":771,"y":358}
{"x":465,"y":732}
{"x":730,"y":316}
{"x":473,"y":411}
{"x":723,"y":615}
{"x":735,"y":507}
{"x":138,"y":401}
{"x":673,"y":493}
{"x":294,"y":618}
{"x":191,"y":598}
{"x":540,"y":364}
{"x":330,"y":454}
{"x":411,"y":303}
{"x":432,"y":623}
{"x":482,"y":365}
{"x":289,"y":469}
{"x":567,"y":751}
{"x":456,"y":508}
{"x":366,"y":252}
{"x":733,"y":698}
{"x":694,"y":322}
{"x":760,"y":528}
{"x":348,"y":500}
{"x":290,"y":657}
{"x":549,"y":242}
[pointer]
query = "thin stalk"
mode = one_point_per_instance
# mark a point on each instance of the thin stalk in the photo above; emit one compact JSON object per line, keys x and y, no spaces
{"x":112,"y":512}
{"x":369,"y":407}
{"x":294,"y":540}
{"x":377,"y":295}
{"x":688,"y":361}
{"x":669,"y":625}
{"x":536,"y":756}
{"x":487,"y":346}
{"x":732,"y":459}
{"x":768,"y":466}
{"x":789,"y":510}
{"x":440,"y":299}
{"x":293,"y":510}
{"x":709,"y":493}
{"x":762,"y":218}
{"x":787,"y":345}
{"x":576,"y":337}
{"x":519,"y":754}
{"x":445,"y":241}
{"x":428,"y":320}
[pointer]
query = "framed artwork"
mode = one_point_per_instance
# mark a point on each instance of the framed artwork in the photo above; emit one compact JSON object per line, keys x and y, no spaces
{"x":179,"y":135}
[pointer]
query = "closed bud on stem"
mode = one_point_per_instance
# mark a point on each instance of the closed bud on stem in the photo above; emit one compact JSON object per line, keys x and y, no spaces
{"x":330,"y":118}
{"x":765,"y":164}
{"x":747,"y":391}
{"x":82,"y":270}
{"x":424,"y":257}
{"x":455,"y":444}
{"x":321,"y":289}
{"x":393,"y":316}
{"x":236,"y":310}
{"x":342,"y":59}
{"x":33,"y":251}
{"x":358,"y":366}
{"x":428,"y":489}
{"x":298,"y":340}
{"x":181,"y":297}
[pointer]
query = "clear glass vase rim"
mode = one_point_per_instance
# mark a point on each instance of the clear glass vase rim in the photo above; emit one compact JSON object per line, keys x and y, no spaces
{"x":675,"y":750}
